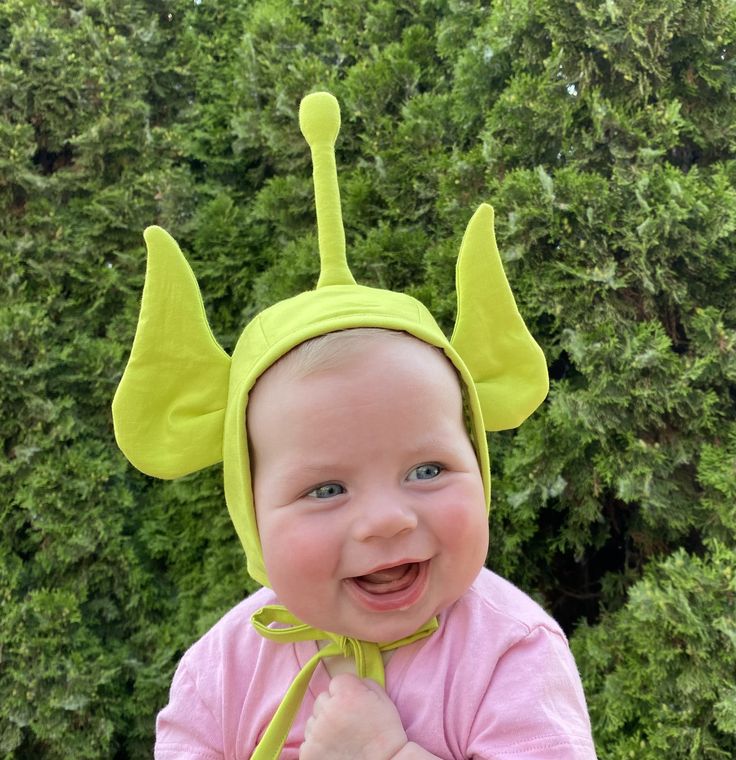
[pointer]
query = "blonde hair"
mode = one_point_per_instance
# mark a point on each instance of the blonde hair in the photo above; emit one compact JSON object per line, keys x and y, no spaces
{"x":332,"y":349}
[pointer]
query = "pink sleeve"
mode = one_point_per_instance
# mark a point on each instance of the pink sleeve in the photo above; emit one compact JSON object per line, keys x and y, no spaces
{"x":534,"y":707}
{"x":186,"y":729}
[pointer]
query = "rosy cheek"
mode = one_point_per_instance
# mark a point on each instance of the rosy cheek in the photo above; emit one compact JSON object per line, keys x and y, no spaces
{"x":463,"y":523}
{"x":292,"y":550}
{"x":461,"y":510}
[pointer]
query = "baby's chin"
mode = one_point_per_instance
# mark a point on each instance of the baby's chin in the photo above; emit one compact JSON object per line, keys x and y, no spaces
{"x":379,"y":627}
{"x":349,"y":617}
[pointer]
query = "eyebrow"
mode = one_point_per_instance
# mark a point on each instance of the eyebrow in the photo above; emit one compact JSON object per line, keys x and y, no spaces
{"x":422,"y":449}
{"x":430,"y":443}
{"x":304,"y":470}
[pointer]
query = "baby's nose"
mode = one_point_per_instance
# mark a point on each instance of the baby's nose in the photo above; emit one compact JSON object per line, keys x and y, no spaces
{"x":384,"y":518}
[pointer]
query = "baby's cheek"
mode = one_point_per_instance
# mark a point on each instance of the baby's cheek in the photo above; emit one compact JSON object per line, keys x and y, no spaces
{"x":463,"y":524}
{"x":292,"y":551}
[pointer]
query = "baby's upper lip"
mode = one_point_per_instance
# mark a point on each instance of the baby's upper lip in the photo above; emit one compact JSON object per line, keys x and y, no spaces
{"x":388,"y":565}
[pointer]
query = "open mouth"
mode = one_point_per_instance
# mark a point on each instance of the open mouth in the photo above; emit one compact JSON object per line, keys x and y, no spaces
{"x":391,"y":588}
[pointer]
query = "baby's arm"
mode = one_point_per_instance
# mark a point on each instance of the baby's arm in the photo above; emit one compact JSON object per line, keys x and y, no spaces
{"x":356,"y":719}
{"x":186,"y":729}
{"x":534,"y":707}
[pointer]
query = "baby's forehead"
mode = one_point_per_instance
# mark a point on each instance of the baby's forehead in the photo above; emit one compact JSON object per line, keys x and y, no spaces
{"x":336,"y":350}
{"x":352,"y":369}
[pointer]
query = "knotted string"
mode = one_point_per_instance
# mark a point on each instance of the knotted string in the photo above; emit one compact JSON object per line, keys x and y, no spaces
{"x":366,"y":654}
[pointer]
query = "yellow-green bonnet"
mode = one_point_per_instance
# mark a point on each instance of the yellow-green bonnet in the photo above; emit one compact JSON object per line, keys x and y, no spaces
{"x":181,"y":403}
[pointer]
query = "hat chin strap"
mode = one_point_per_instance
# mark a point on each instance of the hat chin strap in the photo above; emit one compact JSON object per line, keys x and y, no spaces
{"x":366,"y":655}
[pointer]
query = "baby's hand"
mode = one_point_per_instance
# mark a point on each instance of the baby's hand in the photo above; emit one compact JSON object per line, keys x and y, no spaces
{"x":354,"y":719}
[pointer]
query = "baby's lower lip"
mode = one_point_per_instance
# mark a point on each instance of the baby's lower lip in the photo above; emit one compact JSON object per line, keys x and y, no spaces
{"x":386,"y":595}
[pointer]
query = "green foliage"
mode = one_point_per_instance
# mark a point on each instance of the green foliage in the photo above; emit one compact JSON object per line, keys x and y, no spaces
{"x":660,"y":670}
{"x":603,"y":133}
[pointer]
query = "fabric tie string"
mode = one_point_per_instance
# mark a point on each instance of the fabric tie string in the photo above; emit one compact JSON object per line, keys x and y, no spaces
{"x":366,"y":655}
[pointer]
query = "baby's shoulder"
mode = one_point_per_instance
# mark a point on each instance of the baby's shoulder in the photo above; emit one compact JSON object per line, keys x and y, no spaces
{"x":495,"y":652}
{"x":232,"y":639}
{"x":493,"y":603}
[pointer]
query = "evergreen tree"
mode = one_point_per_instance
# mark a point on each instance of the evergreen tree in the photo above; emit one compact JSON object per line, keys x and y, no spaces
{"x":604,"y":136}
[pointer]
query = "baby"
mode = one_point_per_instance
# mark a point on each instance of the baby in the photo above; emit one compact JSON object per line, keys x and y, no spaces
{"x":356,"y":473}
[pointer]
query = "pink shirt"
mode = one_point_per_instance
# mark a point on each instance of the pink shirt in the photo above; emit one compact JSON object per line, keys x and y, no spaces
{"x":496,"y":681}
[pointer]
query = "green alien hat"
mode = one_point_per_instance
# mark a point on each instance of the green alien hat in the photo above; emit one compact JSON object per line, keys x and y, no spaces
{"x":181,"y":403}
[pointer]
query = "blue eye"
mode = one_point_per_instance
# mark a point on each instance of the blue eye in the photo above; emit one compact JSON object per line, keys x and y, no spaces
{"x":425,"y":472}
{"x":327,"y":491}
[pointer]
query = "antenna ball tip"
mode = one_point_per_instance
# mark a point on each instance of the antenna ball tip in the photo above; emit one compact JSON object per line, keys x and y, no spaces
{"x":319,"y":118}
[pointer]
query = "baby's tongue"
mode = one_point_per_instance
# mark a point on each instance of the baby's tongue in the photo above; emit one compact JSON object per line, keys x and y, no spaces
{"x":390,"y":580}
{"x":387,"y":575}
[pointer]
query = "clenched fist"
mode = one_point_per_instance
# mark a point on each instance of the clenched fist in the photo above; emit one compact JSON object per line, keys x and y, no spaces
{"x":353,"y":720}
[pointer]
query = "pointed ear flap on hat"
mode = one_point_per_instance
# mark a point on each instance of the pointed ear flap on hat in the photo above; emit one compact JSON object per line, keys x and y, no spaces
{"x":507,"y":365}
{"x":169,"y":408}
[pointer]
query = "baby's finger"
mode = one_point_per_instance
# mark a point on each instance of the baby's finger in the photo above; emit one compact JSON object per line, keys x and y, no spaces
{"x":320,"y":703}
{"x":308,"y":727}
{"x":345,"y":683}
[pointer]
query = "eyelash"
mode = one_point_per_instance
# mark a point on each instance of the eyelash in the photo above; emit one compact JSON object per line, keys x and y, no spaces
{"x":438,"y":468}
{"x":314,"y":493}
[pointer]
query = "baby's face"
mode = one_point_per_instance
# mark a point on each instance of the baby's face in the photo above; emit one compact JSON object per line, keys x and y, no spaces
{"x":368,"y":496}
